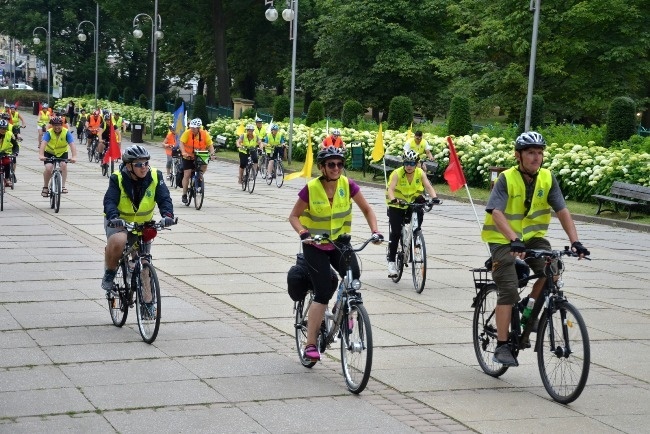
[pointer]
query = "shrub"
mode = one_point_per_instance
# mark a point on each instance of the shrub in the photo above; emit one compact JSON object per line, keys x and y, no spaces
{"x":621,"y":120}
{"x":78,"y":89}
{"x":460,"y":120}
{"x":114,"y":94}
{"x":177,"y":102}
{"x":143,"y":102}
{"x":160,"y":103}
{"x":536,"y":115}
{"x":281,"y":108}
{"x":101,"y":91}
{"x":200,"y":109}
{"x":400,"y":112}
{"x":90,"y":90}
{"x":128,"y":96}
{"x":42,"y":87}
{"x":352,"y":111}
{"x":248,"y":113}
{"x":315,"y":113}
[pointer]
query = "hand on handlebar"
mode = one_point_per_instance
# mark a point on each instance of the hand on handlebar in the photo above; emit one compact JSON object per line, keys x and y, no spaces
{"x":377,"y":238}
{"x":167,"y":222}
{"x":579,"y":249}
{"x":518,"y":248}
{"x":116,"y":223}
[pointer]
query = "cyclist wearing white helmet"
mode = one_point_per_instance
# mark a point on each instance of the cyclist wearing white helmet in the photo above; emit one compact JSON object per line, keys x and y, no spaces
{"x":518,"y":216}
{"x":406,"y":183}
{"x":7,"y":145}
{"x":56,"y":143}
{"x":259,"y":129}
{"x":195,"y":138}
{"x":333,"y":139}
{"x":248,"y":143}
{"x":274,"y":147}
{"x":310,"y":216}
{"x":43,"y":121}
{"x":420,"y":146}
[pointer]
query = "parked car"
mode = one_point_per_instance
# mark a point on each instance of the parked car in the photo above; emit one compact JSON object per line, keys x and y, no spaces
{"x":19,"y":86}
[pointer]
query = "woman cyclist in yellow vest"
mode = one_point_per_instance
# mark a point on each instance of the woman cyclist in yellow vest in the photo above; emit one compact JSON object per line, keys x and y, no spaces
{"x":245,"y":143}
{"x":43,"y":121}
{"x":518,"y":215}
{"x":407,"y":183}
{"x":56,"y":143}
{"x":274,"y":147}
{"x":324,"y":206}
{"x":133,"y":193}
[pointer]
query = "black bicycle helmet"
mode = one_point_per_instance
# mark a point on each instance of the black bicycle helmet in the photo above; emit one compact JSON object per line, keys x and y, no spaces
{"x":528,"y":140}
{"x":328,"y":153}
{"x":135,"y":152}
{"x":4,"y":124}
{"x":57,"y":120}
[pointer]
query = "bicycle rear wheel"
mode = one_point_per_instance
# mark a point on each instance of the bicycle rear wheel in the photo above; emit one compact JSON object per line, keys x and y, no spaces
{"x":56,"y":191}
{"x":269,"y":176}
{"x":244,"y":179}
{"x":301,"y":332}
{"x":148,"y":305}
{"x":484,"y":331}
{"x":118,"y":307}
{"x":279,"y":173}
{"x":356,"y":348}
{"x":251,"y":180}
{"x":399,"y":262}
{"x":563,"y":353}
{"x":2,"y":189}
{"x":198,"y":193}
{"x":262,"y":163}
{"x":91,"y":152}
{"x":419,"y":259}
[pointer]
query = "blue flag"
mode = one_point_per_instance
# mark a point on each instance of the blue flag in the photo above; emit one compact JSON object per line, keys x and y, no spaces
{"x":179,"y":124}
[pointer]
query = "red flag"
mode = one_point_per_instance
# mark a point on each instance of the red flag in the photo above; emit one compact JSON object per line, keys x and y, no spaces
{"x":454,"y":172}
{"x":17,"y":103}
{"x":114,"y":152}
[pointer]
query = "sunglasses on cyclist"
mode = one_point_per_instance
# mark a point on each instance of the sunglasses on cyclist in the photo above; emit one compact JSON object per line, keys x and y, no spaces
{"x":332,"y":164}
{"x":141,"y":165}
{"x":410,"y":163}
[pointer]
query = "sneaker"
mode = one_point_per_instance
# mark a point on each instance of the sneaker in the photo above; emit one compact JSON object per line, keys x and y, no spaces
{"x":392,"y":269}
{"x":184,"y":199}
{"x":503,"y":355}
{"x":107,"y":280}
{"x":148,"y":311}
{"x":311,"y":352}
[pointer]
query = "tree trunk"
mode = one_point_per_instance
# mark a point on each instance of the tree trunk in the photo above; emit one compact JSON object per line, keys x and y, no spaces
{"x":220,"y":54}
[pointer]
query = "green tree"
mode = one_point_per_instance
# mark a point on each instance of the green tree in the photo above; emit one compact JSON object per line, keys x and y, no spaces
{"x":315,"y":113}
{"x":536,"y":115}
{"x":352,"y":112}
{"x":142,"y":100}
{"x":78,"y":89}
{"x":161,"y":104}
{"x":113,"y":94}
{"x":460,"y":119}
{"x":200,"y":109}
{"x":400,"y":112}
{"x":281,"y":108}
{"x":128,"y":96}
{"x":621,"y":120}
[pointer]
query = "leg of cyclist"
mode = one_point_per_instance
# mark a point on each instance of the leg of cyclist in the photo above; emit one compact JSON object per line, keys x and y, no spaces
{"x":168,"y":165}
{"x":188,"y":166}
{"x":47,"y":174}
{"x":254,"y":158}
{"x":395,"y":220}
{"x":243,"y":161}
{"x":115,"y":241}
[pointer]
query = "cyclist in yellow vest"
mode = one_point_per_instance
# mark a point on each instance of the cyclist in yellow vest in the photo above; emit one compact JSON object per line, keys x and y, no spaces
{"x":118,"y":124}
{"x":274,"y":148}
{"x":420,"y":146}
{"x":406,"y":184}
{"x":17,"y":121}
{"x":259,"y":129}
{"x":194,"y":138}
{"x":133,"y":192}
{"x":246,"y":143}
{"x":518,"y":216}
{"x":324,"y":206}
{"x":57,"y":141}
{"x":8,"y":144}
{"x":43,"y":121}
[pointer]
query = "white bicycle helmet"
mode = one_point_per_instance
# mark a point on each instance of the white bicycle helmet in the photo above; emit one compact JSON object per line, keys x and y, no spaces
{"x":196,"y":123}
{"x":410,"y":155}
{"x":336,"y":132}
{"x":250,"y":127}
{"x":529,"y":139}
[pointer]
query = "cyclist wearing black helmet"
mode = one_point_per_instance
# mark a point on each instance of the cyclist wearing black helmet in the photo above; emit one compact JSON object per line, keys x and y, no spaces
{"x":518,"y":216}
{"x":55,"y":143}
{"x":133,"y":192}
{"x":324,"y":206}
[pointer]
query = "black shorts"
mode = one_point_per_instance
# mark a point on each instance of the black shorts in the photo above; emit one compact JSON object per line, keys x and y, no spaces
{"x":243,"y":157}
{"x":48,"y":155}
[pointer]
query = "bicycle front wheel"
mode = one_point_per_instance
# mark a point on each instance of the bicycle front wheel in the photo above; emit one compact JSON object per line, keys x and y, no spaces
{"x":419,"y":259}
{"x":484,"y":331}
{"x":119,"y":306}
{"x":399,"y":261}
{"x":148,"y":303}
{"x":262,"y":165}
{"x":56,"y":191}
{"x":356,"y":348}
{"x":199,"y":191}
{"x":251,"y":180}
{"x":563,"y":353}
{"x":244,"y":180}
{"x":269,"y":176}
{"x":301,"y":333}
{"x":2,"y":190}
{"x":279,"y":174}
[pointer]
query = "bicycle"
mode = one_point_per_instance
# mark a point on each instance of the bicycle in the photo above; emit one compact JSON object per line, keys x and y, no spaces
{"x":278,"y":171}
{"x":4,"y":160}
{"x":562,"y":342}
{"x":248,"y":179}
{"x":196,"y":187}
{"x":134,"y":265}
{"x":105,"y":171}
{"x":177,"y":167}
{"x":55,"y":186}
{"x":262,"y":162}
{"x":348,"y":321}
{"x":93,"y":155}
{"x":411,"y":248}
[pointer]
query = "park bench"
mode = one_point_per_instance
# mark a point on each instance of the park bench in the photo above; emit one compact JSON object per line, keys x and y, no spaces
{"x":393,"y":162}
{"x":630,"y":196}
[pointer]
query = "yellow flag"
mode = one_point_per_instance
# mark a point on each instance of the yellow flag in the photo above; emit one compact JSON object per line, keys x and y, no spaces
{"x":309,"y":162}
{"x":240,"y":129}
{"x":409,"y":133}
{"x":378,"y":150}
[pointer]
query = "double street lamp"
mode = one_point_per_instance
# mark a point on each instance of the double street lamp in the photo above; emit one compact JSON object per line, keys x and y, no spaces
{"x":156,"y":33}
{"x":82,"y":37}
{"x":290,"y":14}
{"x":37,"y":41}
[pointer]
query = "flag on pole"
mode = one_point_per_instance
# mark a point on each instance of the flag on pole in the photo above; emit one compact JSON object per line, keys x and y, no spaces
{"x":114,"y":152}
{"x":309,"y":162}
{"x":240,"y":128}
{"x":409,"y":133}
{"x":179,"y":123}
{"x":454,"y":172}
{"x":378,"y":150}
{"x":268,"y":127}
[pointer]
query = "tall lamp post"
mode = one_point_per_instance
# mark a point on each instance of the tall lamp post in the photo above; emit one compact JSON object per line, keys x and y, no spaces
{"x":37,"y":41}
{"x":535,"y":6}
{"x":156,"y":34}
{"x":290,"y":14}
{"x":82,"y":37}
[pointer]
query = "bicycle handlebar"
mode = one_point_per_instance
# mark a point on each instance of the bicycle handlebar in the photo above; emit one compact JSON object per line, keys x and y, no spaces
{"x":318,"y":239}
{"x":553,"y":254}
{"x":139,"y":226}
{"x":56,"y":159}
{"x":426,"y":206}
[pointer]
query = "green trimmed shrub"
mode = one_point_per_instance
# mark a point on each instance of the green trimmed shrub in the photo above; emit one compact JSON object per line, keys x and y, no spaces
{"x":460,"y":120}
{"x":78,"y":89}
{"x":249,"y":113}
{"x":90,"y":90}
{"x":400,"y":112}
{"x":200,"y":109}
{"x":352,"y":112}
{"x":536,"y":115}
{"x":281,"y":108}
{"x":315,"y":113}
{"x":143,"y":101}
{"x":113,"y":94}
{"x":128,"y":96}
{"x":160,"y":103}
{"x":621,"y":120}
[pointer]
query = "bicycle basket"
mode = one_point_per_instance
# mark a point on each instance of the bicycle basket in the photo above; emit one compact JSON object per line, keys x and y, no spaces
{"x":202,"y":157}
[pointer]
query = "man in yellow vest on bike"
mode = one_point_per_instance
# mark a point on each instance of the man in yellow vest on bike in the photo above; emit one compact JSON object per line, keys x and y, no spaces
{"x":56,"y":143}
{"x":245,"y":144}
{"x":274,"y":148}
{"x":420,"y":146}
{"x":518,"y":216}
{"x":43,"y":121}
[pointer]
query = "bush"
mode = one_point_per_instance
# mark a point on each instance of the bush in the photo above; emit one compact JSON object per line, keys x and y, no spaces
{"x":177,"y":103}
{"x":90,"y":90}
{"x":143,"y":102}
{"x":460,"y":120}
{"x":128,"y":96}
{"x":200,"y":109}
{"x":42,"y":86}
{"x":78,"y":90}
{"x":114,"y":94}
{"x":621,"y":120}
{"x":160,"y":103}
{"x":536,"y":115}
{"x":400,"y":112}
{"x":249,"y":113}
{"x":352,"y":112}
{"x":315,"y":113}
{"x":101,"y":91}
{"x":281,"y":108}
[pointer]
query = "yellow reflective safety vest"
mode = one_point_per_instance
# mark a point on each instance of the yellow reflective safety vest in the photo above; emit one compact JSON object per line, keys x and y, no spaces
{"x":535,"y":223}
{"x":5,"y":143}
{"x":419,"y":149}
{"x":43,"y":118}
{"x":248,"y":143}
{"x":57,"y":145}
{"x":272,"y":142}
{"x":259,"y":132}
{"x":322,"y":218}
{"x":144,"y":213}
{"x":405,"y":190}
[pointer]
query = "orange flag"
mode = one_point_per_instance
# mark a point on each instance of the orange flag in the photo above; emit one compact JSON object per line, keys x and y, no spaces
{"x":114,"y":152}
{"x":454,"y":172}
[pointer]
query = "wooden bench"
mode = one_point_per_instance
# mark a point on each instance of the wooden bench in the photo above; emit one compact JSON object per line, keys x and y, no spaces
{"x":393,"y":162}
{"x":623,"y":194}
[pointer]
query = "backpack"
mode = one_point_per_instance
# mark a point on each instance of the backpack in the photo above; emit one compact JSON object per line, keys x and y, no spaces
{"x":299,"y":281}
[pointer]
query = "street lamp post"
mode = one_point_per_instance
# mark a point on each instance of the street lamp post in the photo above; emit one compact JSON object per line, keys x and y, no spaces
{"x":290,"y":14}
{"x":156,"y":34}
{"x":37,"y":41}
{"x":535,"y":6}
{"x":82,"y":37}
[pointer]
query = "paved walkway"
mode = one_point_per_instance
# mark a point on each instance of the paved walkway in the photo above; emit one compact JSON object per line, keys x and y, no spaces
{"x":225,"y":360}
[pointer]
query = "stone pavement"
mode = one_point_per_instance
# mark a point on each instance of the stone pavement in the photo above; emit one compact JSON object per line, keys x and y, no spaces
{"x":225,"y":358}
